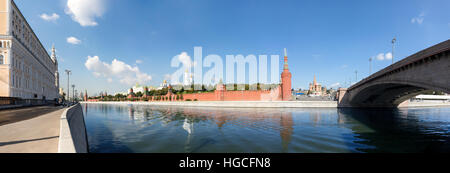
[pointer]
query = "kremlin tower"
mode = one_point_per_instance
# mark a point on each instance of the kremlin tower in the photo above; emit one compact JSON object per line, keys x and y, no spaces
{"x":55,"y":61}
{"x":286,"y":85}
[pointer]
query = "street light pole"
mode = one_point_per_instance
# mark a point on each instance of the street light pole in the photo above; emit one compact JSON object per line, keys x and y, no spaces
{"x":370,"y":66}
{"x":393,"y":46}
{"x":73,"y":93}
{"x":68,"y":81}
{"x":356,"y":72}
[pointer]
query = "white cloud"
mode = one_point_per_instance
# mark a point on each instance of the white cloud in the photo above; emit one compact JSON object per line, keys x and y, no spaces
{"x":380,"y":57}
{"x":119,"y":70}
{"x":50,"y":18}
{"x":139,"y":61}
{"x":419,"y":19}
{"x":73,"y":40}
{"x":388,"y":56}
{"x":85,"y":11}
{"x":335,"y":85}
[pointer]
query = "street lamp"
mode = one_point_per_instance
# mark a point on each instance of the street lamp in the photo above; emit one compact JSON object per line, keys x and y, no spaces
{"x":73,"y":93}
{"x":370,"y":66}
{"x":68,"y":79}
{"x":393,"y":44}
{"x":356,"y":73}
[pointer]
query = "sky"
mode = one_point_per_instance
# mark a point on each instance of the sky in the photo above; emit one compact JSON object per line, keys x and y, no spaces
{"x":111,"y":44}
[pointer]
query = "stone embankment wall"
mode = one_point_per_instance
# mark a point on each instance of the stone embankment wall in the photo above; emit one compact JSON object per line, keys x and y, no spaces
{"x":73,"y":136}
{"x":237,"y":104}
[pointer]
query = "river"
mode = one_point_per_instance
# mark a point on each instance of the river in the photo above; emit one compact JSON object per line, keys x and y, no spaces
{"x":115,"y":128}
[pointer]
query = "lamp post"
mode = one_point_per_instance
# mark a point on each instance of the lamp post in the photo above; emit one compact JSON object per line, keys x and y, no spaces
{"x":356,"y":73}
{"x":370,"y":66}
{"x":393,"y":45}
{"x":76,"y":95}
{"x":68,"y":81}
{"x":73,"y":93}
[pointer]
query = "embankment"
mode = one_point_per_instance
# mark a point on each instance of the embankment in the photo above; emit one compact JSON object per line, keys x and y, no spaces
{"x":73,"y":136}
{"x":238,"y":104}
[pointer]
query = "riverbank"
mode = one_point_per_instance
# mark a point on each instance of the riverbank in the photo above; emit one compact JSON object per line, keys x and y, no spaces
{"x":425,"y":104}
{"x":73,"y":136}
{"x":267,"y":104}
{"x":237,"y":104}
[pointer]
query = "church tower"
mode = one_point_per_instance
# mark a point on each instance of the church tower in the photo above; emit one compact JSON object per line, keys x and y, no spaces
{"x":55,"y":61}
{"x":85,"y":96}
{"x":286,"y":84}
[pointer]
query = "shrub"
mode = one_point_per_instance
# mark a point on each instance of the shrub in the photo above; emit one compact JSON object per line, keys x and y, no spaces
{"x":188,"y":100}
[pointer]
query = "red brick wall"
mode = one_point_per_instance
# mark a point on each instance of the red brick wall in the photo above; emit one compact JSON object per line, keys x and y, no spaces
{"x":269,"y":95}
{"x":200,"y":96}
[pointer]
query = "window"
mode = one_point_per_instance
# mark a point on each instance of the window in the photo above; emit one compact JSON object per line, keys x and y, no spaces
{"x":2,"y":61}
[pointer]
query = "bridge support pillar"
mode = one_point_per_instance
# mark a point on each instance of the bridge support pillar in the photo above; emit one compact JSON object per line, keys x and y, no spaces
{"x":342,"y":96}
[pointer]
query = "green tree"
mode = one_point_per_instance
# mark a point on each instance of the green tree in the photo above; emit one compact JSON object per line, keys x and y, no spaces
{"x":139,"y":94}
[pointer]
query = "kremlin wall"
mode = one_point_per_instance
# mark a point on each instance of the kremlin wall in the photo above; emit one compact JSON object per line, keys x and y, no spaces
{"x":281,"y":93}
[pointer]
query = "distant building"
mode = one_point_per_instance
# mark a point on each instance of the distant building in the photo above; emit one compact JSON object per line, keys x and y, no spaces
{"x":26,"y":69}
{"x":85,"y":97}
{"x":316,"y":89}
{"x":61,"y":92}
{"x":188,"y":78}
{"x":138,"y":88}
{"x":163,"y":85}
{"x":432,"y":98}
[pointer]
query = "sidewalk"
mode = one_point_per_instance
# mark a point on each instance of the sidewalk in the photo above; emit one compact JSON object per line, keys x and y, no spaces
{"x":36,"y":135}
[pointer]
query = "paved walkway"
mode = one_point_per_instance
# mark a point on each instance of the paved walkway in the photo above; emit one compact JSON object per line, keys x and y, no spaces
{"x":37,"y":135}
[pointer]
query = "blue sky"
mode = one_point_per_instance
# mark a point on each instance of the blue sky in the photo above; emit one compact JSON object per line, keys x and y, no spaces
{"x":328,"y":38}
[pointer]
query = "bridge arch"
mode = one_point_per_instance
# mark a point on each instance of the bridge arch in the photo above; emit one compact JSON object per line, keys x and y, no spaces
{"x":389,"y":94}
{"x":427,"y":70}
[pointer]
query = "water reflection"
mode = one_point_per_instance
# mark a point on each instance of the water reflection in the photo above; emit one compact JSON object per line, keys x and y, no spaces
{"x":401,"y":130}
{"x":184,"y":129}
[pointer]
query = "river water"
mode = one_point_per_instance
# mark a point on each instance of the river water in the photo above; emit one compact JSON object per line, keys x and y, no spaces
{"x":124,"y":128}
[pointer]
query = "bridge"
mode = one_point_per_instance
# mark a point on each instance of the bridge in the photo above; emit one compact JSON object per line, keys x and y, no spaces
{"x":427,"y":70}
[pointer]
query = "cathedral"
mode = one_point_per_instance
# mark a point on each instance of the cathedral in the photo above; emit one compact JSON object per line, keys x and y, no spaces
{"x":316,"y":89}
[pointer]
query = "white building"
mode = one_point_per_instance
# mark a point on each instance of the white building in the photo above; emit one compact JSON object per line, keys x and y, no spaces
{"x":188,"y":78}
{"x":26,"y":69}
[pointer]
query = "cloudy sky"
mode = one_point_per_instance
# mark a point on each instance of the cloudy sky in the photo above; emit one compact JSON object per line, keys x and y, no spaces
{"x":112,"y":44}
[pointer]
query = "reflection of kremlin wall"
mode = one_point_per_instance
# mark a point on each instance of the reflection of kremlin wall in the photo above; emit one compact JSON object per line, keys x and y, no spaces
{"x":281,"y":93}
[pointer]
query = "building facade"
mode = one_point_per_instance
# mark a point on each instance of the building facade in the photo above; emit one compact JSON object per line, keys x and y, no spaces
{"x":26,"y":69}
{"x":316,"y":89}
